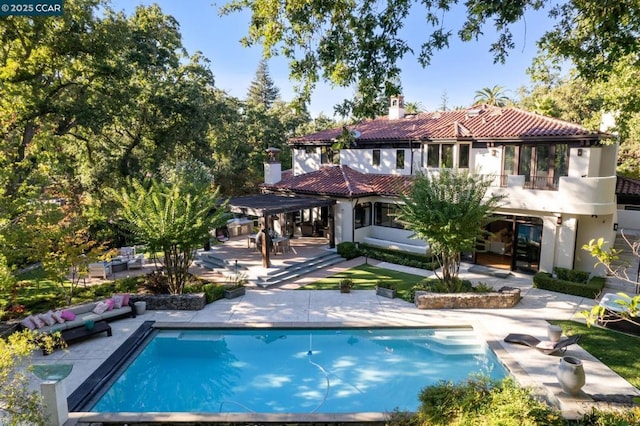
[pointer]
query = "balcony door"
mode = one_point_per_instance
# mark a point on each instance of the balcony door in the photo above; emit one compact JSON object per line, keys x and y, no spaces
{"x":542,"y":165}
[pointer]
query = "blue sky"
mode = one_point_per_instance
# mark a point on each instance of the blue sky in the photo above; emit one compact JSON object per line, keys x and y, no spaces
{"x":458,"y":71}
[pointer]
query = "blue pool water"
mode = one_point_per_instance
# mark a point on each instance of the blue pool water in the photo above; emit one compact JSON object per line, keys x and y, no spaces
{"x":295,"y":371}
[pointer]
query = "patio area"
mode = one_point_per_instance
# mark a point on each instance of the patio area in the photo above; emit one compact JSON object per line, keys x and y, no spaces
{"x":284,"y":306}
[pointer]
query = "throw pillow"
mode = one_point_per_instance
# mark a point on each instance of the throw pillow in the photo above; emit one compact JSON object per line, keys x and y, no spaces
{"x":100,"y":308}
{"x":109,"y":303}
{"x":57,"y":315}
{"x":68,"y":315}
{"x":47,"y":318}
{"x":28,"y":323}
{"x":37,"y":321}
{"x":125,"y":298}
{"x":117,"y":301}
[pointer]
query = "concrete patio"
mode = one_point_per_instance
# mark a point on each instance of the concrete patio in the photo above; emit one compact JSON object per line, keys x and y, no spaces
{"x":285,"y":305}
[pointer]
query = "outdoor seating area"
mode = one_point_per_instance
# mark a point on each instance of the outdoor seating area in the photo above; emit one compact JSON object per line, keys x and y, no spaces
{"x":126,"y":259}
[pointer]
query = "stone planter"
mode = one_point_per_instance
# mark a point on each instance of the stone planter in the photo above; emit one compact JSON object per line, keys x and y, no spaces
{"x":232,"y":293}
{"x":506,"y":297}
{"x":389,"y":293}
{"x":571,"y":375}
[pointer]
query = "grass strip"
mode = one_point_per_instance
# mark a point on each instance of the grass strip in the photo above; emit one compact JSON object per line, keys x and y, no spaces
{"x":365,"y":277}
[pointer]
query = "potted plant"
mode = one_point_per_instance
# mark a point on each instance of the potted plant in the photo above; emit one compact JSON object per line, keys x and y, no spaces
{"x":345,"y":285}
{"x":386,"y":289}
{"x":236,"y":287}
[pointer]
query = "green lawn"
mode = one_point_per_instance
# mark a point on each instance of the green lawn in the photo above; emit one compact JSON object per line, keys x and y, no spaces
{"x":365,"y":277}
{"x":617,"y":350}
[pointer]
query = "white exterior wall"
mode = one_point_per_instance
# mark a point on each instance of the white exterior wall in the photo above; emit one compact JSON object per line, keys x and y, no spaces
{"x":589,"y":228}
{"x":628,"y":219}
{"x":343,"y":221}
{"x":565,"y":243}
{"x":306,"y":163}
{"x":362,"y":161}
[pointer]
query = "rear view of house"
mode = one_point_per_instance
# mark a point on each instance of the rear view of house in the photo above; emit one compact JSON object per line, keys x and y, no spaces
{"x":558,"y":178}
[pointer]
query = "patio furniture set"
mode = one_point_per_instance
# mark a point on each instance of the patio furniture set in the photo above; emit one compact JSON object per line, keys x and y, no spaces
{"x":280,"y":244}
{"x":127,"y":259}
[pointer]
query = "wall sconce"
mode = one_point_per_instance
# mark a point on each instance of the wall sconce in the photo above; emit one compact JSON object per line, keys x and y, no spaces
{"x":615,"y":226}
{"x":559,"y":220}
{"x":494,"y":152}
{"x":595,"y":216}
{"x":579,"y":152}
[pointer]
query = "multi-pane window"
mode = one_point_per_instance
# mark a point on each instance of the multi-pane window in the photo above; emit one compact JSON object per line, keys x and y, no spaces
{"x":464,"y":152}
{"x":400,"y":159}
{"x":376,"y":157}
{"x":362,"y":215}
{"x":440,"y":155}
{"x":384,"y":214}
{"x":329,"y":156}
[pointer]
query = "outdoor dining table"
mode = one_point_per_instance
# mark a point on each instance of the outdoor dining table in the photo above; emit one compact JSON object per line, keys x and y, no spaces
{"x":281,"y":244}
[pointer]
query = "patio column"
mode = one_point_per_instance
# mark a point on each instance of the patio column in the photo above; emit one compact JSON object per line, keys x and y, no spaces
{"x":264,"y":239}
{"x":332,"y":227}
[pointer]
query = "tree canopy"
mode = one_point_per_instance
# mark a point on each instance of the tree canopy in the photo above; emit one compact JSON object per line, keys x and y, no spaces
{"x":360,"y":43}
{"x":449,"y":209}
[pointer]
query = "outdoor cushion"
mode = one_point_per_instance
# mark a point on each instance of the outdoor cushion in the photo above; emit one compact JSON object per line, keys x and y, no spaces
{"x":37,"y":321}
{"x":100,"y":308}
{"x":68,"y":315}
{"x":47,"y":318}
{"x":28,"y":323}
{"x":117,"y":300}
{"x":81,"y":309}
{"x":57,"y":315}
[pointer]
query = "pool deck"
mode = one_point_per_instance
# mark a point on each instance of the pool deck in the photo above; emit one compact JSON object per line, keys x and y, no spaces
{"x":285,"y":305}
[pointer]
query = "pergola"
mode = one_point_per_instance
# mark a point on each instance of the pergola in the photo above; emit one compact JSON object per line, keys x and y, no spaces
{"x":266,"y":205}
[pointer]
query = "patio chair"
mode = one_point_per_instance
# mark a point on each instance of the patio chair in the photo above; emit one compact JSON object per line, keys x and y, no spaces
{"x":136,"y":262}
{"x":99,"y":269}
{"x":547,"y":348}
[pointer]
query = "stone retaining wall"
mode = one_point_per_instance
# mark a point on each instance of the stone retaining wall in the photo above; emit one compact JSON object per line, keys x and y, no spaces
{"x":506,"y":297}
{"x":173,"y":302}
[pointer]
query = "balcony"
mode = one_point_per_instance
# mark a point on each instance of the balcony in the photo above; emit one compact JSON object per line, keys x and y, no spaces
{"x":576,"y":195}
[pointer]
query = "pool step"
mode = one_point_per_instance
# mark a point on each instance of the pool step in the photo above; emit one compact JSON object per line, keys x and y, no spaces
{"x":449,"y":342}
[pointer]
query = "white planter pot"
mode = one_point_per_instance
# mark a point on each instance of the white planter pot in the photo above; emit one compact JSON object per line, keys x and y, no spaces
{"x":571,"y":375}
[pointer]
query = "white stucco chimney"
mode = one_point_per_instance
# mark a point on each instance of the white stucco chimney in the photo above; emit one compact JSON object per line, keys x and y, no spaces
{"x":272,"y":167}
{"x":396,"y":107}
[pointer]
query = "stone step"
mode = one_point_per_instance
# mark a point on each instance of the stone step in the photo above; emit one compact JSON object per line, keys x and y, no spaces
{"x":299,"y":269}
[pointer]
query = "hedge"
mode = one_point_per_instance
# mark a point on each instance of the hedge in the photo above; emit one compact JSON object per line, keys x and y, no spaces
{"x":591,"y":289}
{"x":398,"y":257}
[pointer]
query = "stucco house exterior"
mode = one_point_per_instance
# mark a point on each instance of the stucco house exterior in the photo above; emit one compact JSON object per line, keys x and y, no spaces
{"x":559,"y":180}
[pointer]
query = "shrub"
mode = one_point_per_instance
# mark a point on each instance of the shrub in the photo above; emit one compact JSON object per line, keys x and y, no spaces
{"x":213,"y":292}
{"x":458,"y":285}
{"x":387,"y":284}
{"x":571,"y":275}
{"x":348,"y":250}
{"x":345,"y":285}
{"x":483,"y":288}
{"x":415,"y":260}
{"x":157,"y":283}
{"x":484,"y":401}
{"x":591,"y":289}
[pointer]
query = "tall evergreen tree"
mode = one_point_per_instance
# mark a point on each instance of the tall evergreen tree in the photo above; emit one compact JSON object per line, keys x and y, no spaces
{"x":262,"y":90}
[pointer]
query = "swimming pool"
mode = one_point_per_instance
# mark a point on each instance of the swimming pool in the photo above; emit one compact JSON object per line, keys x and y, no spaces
{"x":339,"y":370}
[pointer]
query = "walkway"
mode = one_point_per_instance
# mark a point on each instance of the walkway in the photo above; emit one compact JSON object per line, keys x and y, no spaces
{"x":283,"y":305}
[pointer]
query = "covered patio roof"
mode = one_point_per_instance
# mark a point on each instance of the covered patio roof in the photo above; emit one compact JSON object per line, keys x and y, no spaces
{"x":268,"y":204}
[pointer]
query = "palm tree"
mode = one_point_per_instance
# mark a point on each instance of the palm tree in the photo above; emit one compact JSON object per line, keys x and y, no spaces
{"x":494,"y":96}
{"x":413,"y":107}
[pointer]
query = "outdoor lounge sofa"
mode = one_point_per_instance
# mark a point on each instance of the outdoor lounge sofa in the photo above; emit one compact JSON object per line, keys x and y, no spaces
{"x":80,"y":315}
{"x":547,"y":348}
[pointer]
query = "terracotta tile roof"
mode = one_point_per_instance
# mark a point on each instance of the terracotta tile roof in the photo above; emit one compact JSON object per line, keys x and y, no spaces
{"x":341,"y":181}
{"x":477,"y":122}
{"x":627,"y":186}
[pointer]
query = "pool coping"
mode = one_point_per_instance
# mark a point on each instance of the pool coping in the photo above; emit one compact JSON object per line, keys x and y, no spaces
{"x":85,"y":393}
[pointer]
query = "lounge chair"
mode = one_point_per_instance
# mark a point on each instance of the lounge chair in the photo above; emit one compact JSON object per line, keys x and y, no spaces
{"x":547,"y":348}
